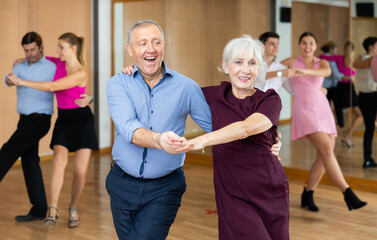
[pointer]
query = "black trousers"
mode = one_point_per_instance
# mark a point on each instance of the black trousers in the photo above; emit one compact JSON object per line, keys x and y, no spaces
{"x":332,"y":95}
{"x":24,"y":143}
{"x":368,"y":107}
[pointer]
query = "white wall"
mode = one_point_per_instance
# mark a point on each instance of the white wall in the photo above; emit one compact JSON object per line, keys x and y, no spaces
{"x":285,"y":32}
{"x":104,"y":70}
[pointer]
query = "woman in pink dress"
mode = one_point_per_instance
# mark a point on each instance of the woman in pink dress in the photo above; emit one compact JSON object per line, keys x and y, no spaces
{"x":312,"y":118}
{"x":74,"y":129}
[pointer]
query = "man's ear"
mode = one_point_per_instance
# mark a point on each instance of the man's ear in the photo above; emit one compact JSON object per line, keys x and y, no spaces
{"x":128,"y":47}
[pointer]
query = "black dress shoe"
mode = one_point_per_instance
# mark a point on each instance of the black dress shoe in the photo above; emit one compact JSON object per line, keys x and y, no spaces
{"x":27,"y":218}
{"x":369,"y":163}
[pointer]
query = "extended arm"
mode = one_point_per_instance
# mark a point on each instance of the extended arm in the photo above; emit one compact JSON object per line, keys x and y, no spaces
{"x":286,"y":73}
{"x":254,"y":124}
{"x":78,"y":78}
{"x":324,"y":70}
{"x":358,"y":63}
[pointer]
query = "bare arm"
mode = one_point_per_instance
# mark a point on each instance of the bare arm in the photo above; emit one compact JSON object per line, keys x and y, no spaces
{"x":324,"y":70}
{"x":254,"y":124}
{"x":78,"y":78}
{"x":362,"y":64}
{"x":287,"y":73}
{"x":288,"y":62}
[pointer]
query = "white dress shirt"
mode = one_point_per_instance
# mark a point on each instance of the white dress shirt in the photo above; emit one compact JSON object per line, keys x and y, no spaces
{"x":272,"y":83}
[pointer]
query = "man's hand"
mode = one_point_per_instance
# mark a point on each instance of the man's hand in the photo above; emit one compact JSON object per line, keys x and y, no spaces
{"x":275,"y":149}
{"x":173,"y":143}
{"x":288,"y":73}
{"x":84,"y":101}
{"x":129,"y":70}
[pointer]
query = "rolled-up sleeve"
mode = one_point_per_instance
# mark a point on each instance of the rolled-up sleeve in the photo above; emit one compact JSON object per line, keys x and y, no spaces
{"x":121,"y":107}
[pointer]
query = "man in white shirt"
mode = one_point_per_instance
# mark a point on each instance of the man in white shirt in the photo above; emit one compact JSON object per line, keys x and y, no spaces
{"x":273,"y":74}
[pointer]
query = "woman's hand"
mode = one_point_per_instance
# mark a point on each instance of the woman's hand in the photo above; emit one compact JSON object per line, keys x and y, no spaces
{"x":129,"y":69}
{"x":275,"y":149}
{"x":195,"y":144}
{"x":83,"y":101}
{"x":18,"y":61}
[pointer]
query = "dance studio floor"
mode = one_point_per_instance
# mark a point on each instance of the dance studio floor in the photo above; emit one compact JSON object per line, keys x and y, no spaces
{"x":197,"y":218}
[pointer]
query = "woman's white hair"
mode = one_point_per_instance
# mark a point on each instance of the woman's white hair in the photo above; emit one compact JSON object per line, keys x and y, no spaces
{"x":239,"y":46}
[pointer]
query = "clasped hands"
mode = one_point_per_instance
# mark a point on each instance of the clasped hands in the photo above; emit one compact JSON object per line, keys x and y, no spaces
{"x":173,"y":143}
{"x":13,"y":80}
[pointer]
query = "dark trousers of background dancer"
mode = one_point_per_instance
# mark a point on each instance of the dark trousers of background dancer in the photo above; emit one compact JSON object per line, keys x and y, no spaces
{"x":24,"y":143}
{"x":368,"y":107}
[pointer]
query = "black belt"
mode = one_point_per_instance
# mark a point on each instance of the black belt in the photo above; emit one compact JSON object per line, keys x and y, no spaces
{"x":34,"y":115}
{"x":126,"y":175}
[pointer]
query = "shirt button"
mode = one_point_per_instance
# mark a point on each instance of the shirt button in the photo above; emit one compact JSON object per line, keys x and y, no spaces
{"x":152,"y":111}
{"x":152,"y":95}
{"x":145,"y":161}
{"x":150,"y":128}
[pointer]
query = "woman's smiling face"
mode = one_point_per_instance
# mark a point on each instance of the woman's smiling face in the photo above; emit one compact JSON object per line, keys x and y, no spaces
{"x":307,"y":46}
{"x":242,"y":73}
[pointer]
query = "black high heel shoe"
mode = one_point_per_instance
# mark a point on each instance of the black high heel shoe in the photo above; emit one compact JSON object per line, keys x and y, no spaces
{"x":50,"y":220}
{"x":352,"y":201}
{"x":308,"y":201}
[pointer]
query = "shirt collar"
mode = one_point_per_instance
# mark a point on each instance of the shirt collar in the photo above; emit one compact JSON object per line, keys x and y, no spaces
{"x":42,"y":60}
{"x":167,"y":71}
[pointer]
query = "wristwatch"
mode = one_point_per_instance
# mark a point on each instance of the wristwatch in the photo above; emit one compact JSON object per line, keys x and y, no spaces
{"x":279,"y":74}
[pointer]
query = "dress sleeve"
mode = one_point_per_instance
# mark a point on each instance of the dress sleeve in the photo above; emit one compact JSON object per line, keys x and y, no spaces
{"x":270,"y":106}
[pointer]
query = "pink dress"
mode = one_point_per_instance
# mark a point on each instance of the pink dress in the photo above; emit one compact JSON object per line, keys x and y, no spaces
{"x":65,"y":98}
{"x":311,"y":109}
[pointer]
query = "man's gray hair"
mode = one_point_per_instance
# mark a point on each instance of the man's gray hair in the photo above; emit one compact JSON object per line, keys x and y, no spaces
{"x":142,"y":23}
{"x":245,"y":44}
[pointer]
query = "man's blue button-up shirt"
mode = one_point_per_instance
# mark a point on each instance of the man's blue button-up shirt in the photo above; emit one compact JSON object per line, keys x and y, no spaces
{"x":30,"y":100}
{"x":165,"y":107}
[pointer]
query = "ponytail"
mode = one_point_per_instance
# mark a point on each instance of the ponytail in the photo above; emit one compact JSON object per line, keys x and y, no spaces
{"x":74,"y":40}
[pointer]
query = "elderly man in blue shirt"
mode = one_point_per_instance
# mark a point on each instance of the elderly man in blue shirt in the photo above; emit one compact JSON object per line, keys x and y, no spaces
{"x":35,"y":108}
{"x":149,"y":110}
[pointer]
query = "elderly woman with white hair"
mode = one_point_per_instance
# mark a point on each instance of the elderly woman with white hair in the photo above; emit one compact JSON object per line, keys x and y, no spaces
{"x":252,"y":192}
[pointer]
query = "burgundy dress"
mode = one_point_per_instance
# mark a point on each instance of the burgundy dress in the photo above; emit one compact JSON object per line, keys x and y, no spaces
{"x":252,"y":191}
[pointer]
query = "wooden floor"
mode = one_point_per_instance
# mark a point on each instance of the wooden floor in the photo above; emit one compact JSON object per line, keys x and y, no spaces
{"x":197,"y":218}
